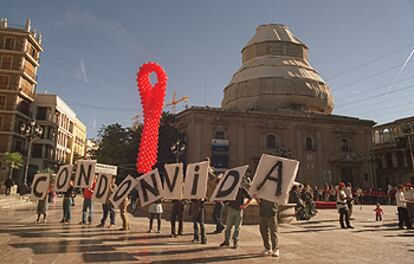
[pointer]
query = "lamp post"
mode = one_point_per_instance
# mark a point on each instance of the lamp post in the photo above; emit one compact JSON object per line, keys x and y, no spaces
{"x":32,"y":131}
{"x":178,"y":149}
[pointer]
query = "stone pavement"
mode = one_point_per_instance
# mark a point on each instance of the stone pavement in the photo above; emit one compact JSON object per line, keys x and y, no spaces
{"x":316,"y":241}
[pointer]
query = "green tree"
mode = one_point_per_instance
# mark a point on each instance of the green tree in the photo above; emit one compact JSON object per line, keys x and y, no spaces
{"x":117,"y":145}
{"x":14,"y":160}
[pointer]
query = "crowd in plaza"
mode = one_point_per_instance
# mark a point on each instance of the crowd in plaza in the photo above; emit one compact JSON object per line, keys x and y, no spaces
{"x":345,"y":197}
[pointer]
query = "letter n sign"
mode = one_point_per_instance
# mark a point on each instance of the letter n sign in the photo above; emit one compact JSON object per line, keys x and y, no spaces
{"x":85,"y":173}
{"x":273,"y":178}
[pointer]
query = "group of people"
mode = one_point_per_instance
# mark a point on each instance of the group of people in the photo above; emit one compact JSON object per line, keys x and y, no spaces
{"x":303,"y":197}
{"x":233,"y":222}
{"x":231,"y":227}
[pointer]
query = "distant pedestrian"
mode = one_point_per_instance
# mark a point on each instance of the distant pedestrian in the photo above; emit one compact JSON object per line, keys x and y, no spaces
{"x":342,"y":205}
{"x":155,"y":211}
{"x":87,"y":208}
{"x":409,"y":196}
{"x":378,"y":213}
{"x":8,"y":183}
{"x":350,"y":198}
{"x":108,"y":208}
{"x":198,"y":214}
{"x":124,"y":215}
{"x":134,"y":198}
{"x":268,"y":224}
{"x":177,"y":216}
{"x":402,"y":208}
{"x":235,"y":214}
{"x":389,"y":191}
{"x":67,"y":202}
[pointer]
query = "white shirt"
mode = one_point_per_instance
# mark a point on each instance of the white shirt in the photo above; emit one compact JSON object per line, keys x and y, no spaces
{"x":400,"y":199}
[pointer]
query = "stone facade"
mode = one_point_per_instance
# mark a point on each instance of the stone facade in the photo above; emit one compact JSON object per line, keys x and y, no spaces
{"x":276,"y":103}
{"x":330,"y":148}
{"x":393,"y":148}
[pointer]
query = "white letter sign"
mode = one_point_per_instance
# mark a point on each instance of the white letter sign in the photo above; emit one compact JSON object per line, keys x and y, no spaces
{"x":100,"y":193}
{"x":85,"y":173}
{"x":40,"y":185}
{"x":63,"y":178}
{"x":273,"y":178}
{"x":149,"y":187}
{"x":228,"y":187}
{"x":195,"y":185}
{"x":173,"y":181}
{"x":122,"y":191}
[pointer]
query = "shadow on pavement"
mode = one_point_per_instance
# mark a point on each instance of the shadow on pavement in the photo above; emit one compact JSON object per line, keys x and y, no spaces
{"x":209,"y":259}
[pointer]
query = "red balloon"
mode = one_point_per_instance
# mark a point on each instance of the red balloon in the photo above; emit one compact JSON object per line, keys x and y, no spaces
{"x":152,"y":99}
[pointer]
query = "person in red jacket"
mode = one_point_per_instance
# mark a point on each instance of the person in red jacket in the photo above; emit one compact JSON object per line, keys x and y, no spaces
{"x":87,"y":204}
{"x":378,"y":213}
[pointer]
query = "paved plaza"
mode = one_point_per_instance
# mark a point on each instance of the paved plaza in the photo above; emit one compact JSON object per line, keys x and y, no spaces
{"x":316,"y":241}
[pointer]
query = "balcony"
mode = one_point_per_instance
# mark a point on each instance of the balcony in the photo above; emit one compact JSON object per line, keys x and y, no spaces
{"x":18,"y":47}
{"x":24,"y":110}
{"x":27,"y":90}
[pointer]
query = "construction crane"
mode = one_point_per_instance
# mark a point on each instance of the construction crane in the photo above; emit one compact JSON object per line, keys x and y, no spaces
{"x":173,"y":103}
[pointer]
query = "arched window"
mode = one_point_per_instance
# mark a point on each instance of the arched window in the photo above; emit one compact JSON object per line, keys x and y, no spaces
{"x":345,"y":145}
{"x":308,"y":143}
{"x":386,"y":135}
{"x":271,"y":141}
{"x":219,"y":135}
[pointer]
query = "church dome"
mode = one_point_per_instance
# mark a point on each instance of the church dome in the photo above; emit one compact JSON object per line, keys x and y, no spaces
{"x":276,"y":74}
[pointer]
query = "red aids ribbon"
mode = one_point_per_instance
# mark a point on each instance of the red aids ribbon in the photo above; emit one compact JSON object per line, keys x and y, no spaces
{"x":152,"y":99}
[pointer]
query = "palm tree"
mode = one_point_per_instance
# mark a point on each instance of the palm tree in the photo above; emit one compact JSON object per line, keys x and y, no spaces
{"x":14,"y":160}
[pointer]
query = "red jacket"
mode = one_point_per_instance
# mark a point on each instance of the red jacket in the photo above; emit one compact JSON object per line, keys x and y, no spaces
{"x":87,"y":192}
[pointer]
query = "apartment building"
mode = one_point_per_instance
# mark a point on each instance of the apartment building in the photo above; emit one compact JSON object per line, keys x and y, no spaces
{"x":20,"y":47}
{"x":64,"y":135}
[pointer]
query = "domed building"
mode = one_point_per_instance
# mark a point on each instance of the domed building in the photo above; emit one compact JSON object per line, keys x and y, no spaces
{"x":277,"y":103}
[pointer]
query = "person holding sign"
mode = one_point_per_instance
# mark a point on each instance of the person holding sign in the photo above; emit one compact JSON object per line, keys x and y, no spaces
{"x":67,"y":203}
{"x":235,"y":213}
{"x":198,"y":214}
{"x":268,"y":224}
{"x":177,"y":215}
{"x":124,"y":216}
{"x":87,"y":203}
{"x":155,"y":210}
{"x":107,"y":207}
{"x":42,"y":206}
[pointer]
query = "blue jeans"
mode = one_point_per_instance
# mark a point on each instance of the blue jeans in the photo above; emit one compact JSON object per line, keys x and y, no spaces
{"x":87,"y":204}
{"x":67,"y":203}
{"x":217,"y":213}
{"x":108,"y":209}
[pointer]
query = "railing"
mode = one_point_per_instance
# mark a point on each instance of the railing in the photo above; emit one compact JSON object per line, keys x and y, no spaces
{"x":30,"y":71}
{"x":25,"y":110}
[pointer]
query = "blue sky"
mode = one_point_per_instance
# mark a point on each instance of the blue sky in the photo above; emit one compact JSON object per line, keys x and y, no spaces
{"x":93,"y":50}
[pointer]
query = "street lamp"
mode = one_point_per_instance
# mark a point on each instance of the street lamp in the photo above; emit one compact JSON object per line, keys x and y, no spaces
{"x":178,"y":149}
{"x":32,"y":131}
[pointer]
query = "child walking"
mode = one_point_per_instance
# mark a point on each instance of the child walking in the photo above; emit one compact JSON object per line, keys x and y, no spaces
{"x":378,"y":213}
{"x":155,"y":210}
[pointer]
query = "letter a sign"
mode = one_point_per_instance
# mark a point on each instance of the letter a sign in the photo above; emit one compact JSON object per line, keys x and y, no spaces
{"x":274,"y":178}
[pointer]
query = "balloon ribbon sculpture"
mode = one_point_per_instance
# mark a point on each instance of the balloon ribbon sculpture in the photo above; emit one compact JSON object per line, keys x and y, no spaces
{"x":152,"y":99}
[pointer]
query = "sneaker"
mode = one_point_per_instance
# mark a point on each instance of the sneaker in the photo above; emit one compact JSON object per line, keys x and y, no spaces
{"x":67,"y":222}
{"x":350,"y":227}
{"x":267,"y":252}
{"x":204,"y":242}
{"x":82,"y":223}
{"x":44,"y":221}
{"x":62,"y":221}
{"x":110,"y":226}
{"x":225,"y":244}
{"x":195,"y":241}
{"x":100,"y":225}
{"x":173,"y":235}
{"x":275,"y":253}
{"x":149,"y":231}
{"x":158,"y":231}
